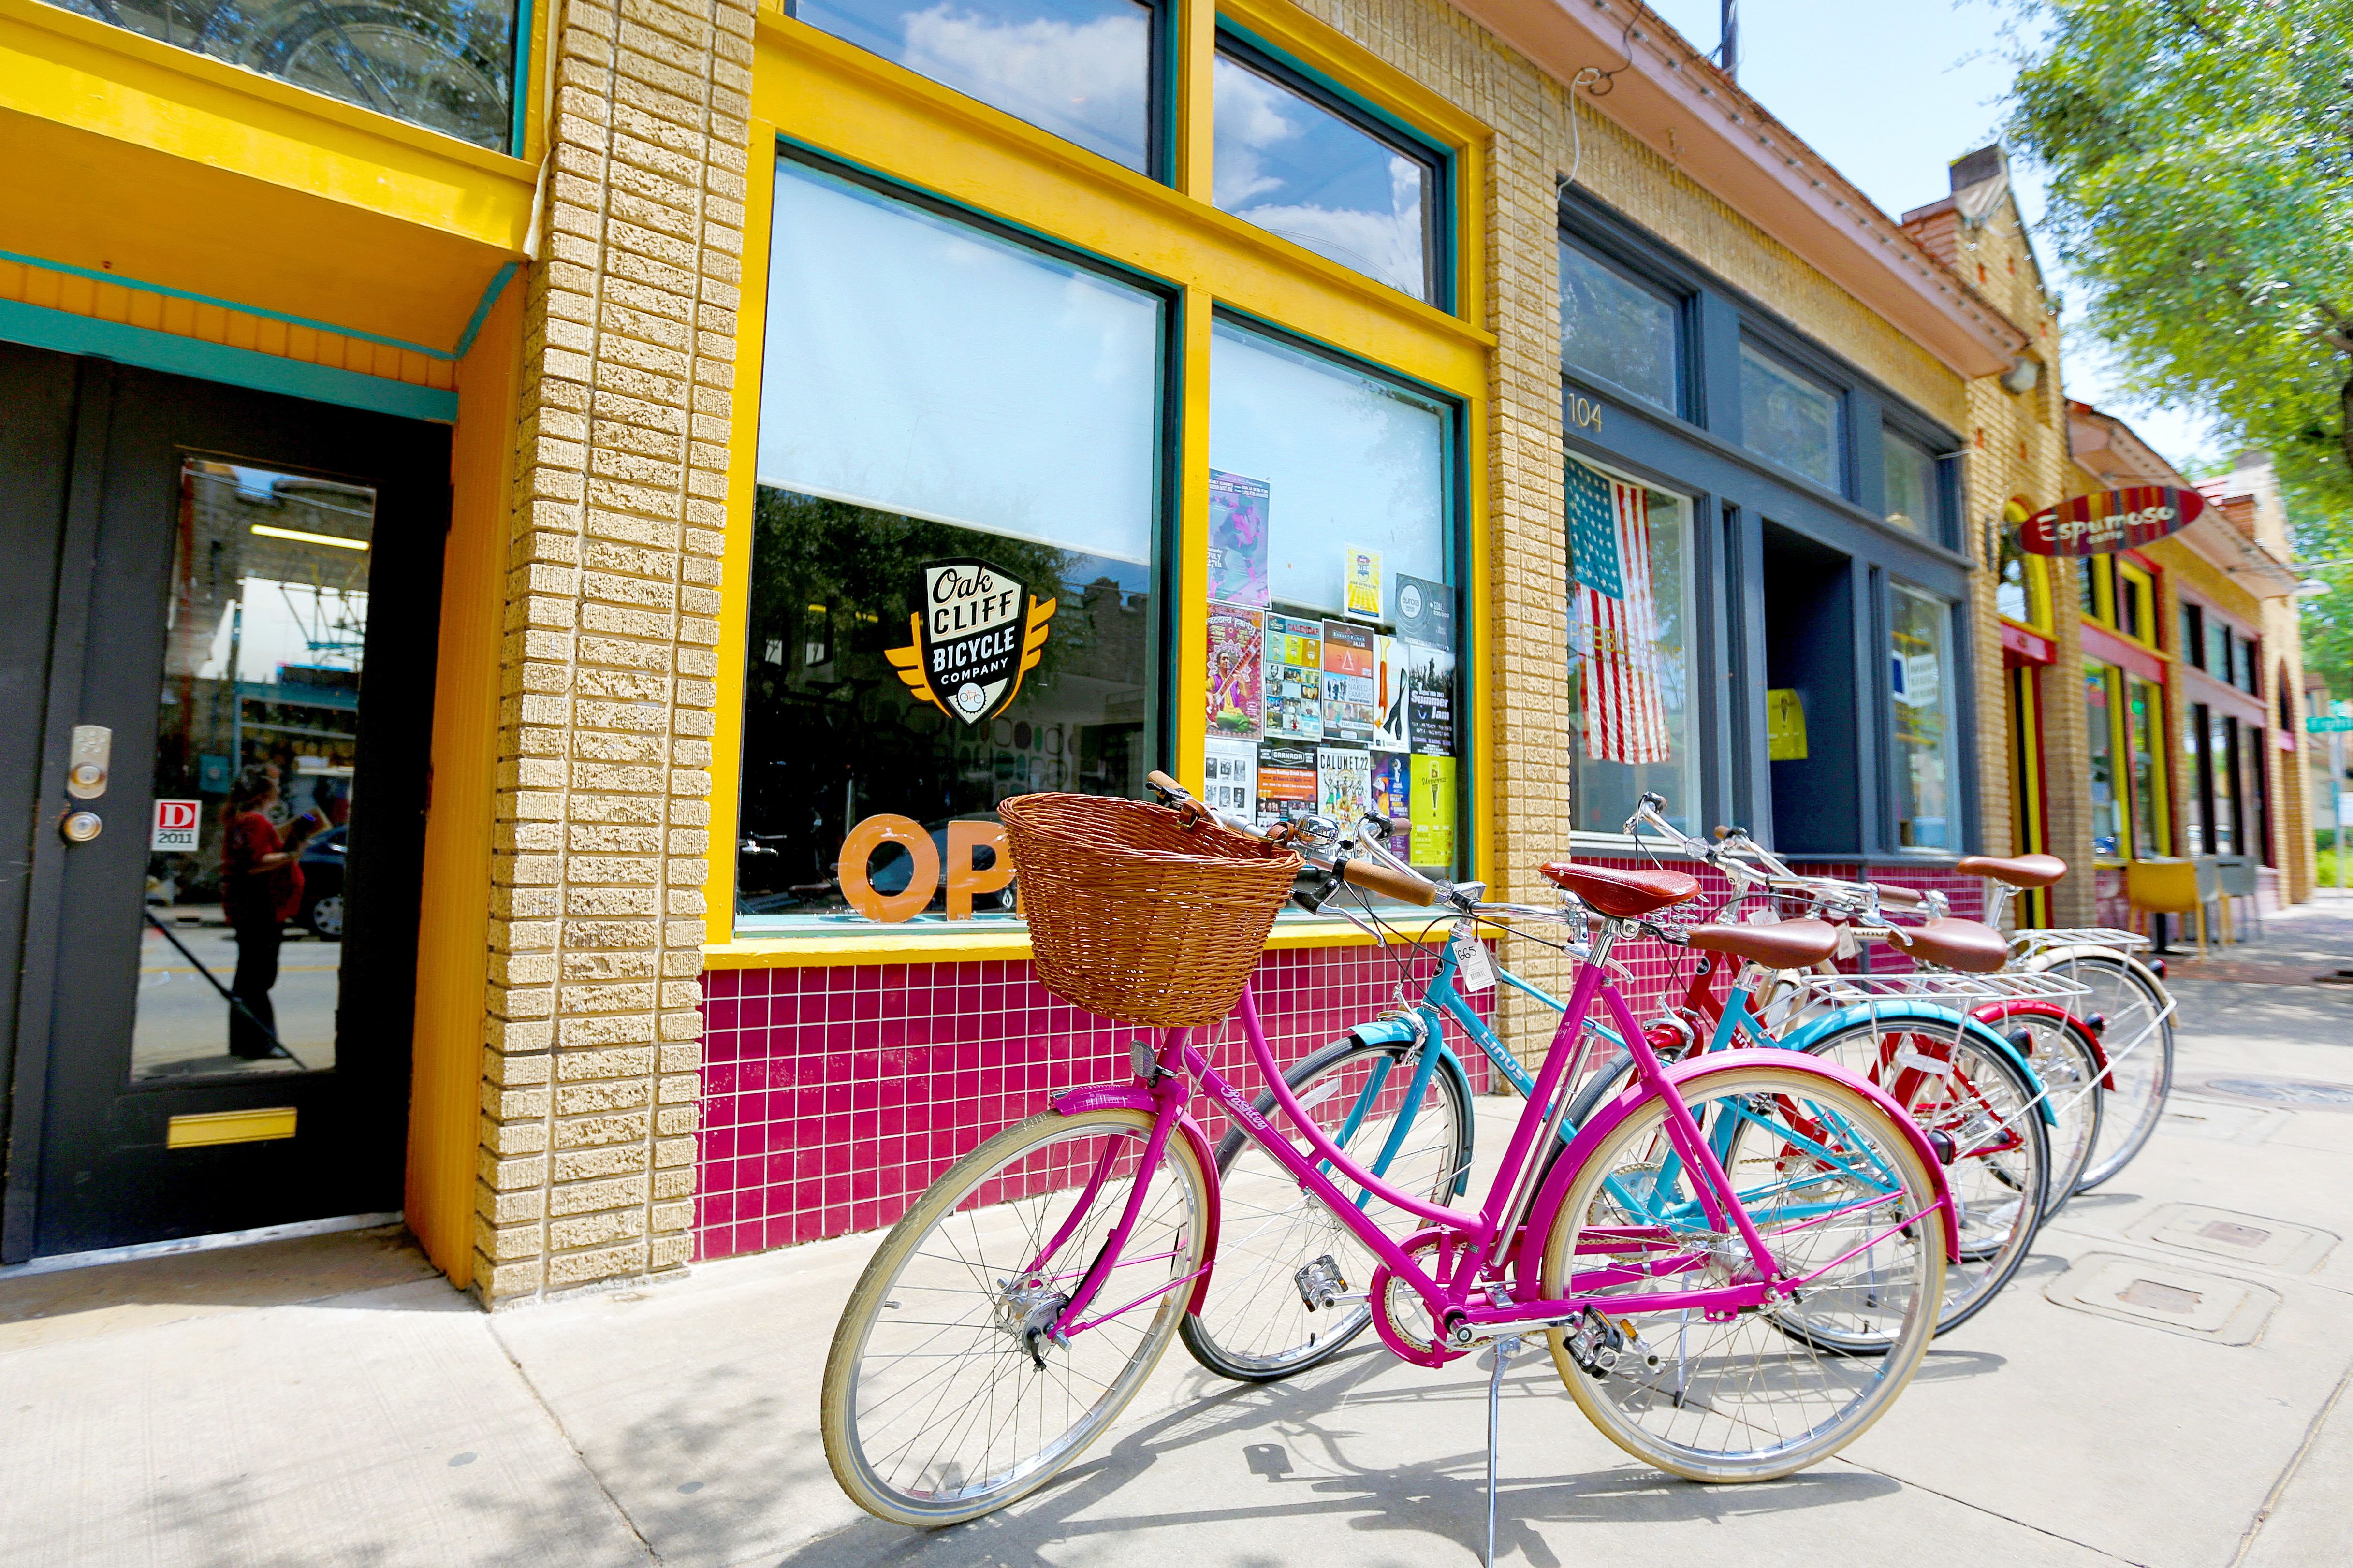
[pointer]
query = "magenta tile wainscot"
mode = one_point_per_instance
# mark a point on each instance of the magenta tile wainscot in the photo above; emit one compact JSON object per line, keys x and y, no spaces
{"x":833,"y":1095}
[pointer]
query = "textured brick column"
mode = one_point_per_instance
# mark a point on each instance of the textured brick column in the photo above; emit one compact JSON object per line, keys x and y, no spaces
{"x":593,"y":1030}
{"x":1527,"y":566}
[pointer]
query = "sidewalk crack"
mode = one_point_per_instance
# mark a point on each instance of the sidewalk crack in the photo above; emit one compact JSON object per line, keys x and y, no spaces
{"x":578,"y":1453}
{"x":1992,"y":1512}
{"x":2295,"y":1463}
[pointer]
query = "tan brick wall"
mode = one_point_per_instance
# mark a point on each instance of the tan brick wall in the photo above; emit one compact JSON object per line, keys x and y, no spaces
{"x":2016,"y":448}
{"x":592,"y":1068}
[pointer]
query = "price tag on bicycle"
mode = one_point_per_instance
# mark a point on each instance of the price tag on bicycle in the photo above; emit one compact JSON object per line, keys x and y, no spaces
{"x":1470,"y":960}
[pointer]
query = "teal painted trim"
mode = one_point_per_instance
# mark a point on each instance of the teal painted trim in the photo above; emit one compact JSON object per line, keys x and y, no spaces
{"x":498,"y":286}
{"x":63,"y":333}
{"x":521,"y":89}
{"x":142,"y":286}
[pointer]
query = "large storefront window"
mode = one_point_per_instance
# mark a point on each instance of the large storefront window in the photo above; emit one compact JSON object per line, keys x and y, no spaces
{"x":1921,"y":673}
{"x":1620,"y":330}
{"x":1631,"y":728}
{"x":1334,"y":620}
{"x":1080,"y":69}
{"x":952,"y":590}
{"x":1310,"y":169}
{"x":2100,"y":740}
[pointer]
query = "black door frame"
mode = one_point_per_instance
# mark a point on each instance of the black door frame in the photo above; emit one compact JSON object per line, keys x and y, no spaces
{"x":122,"y":415}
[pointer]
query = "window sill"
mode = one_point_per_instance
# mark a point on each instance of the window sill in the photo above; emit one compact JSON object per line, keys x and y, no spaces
{"x":934,"y":945}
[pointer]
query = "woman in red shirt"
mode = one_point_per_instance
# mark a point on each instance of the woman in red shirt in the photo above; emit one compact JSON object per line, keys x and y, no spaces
{"x":261,"y":889}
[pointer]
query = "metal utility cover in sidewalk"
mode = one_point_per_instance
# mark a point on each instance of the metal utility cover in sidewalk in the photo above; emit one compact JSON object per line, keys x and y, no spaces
{"x":2183,"y":1300}
{"x":2220,"y":1233}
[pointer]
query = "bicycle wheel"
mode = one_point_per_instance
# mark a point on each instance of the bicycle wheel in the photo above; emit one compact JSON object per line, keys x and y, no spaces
{"x":1970,"y":1094}
{"x":1279,"y":1248}
{"x":2139,"y":1038}
{"x":1824,"y":1173}
{"x":945,"y":1397}
{"x":2061,"y":1053}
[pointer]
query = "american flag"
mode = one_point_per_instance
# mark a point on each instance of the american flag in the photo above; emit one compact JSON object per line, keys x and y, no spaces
{"x":1616,"y":632}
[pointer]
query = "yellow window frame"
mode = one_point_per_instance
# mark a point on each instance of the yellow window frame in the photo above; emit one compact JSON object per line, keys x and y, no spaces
{"x":2142,"y":578}
{"x":823,"y":93}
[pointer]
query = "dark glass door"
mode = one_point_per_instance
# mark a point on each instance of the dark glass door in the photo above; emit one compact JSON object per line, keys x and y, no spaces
{"x":228,"y":820}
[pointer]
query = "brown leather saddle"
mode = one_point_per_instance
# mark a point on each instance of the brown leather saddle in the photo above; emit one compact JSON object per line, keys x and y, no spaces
{"x":1623,"y":895}
{"x":2019,"y":872}
{"x":1964,"y":945}
{"x":1790,"y":944}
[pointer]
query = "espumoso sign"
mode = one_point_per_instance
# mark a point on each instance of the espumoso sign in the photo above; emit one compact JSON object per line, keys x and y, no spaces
{"x":2110,"y":520}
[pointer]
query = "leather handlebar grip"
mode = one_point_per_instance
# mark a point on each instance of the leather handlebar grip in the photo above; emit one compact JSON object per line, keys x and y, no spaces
{"x":1163,"y":782}
{"x":1402,"y":886}
{"x":1899,"y":898}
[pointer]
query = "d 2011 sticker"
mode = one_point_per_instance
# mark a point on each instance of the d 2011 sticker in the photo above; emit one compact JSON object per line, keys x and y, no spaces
{"x":976,"y":632}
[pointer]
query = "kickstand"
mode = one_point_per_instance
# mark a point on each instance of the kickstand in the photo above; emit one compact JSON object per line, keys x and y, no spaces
{"x":1506,"y":1349}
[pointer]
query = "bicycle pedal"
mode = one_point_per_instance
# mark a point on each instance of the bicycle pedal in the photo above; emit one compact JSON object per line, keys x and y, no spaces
{"x":1595,"y":1345}
{"x":1320,"y":1283}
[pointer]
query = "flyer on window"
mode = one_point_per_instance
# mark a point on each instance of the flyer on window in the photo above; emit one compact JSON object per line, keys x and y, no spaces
{"x":1388,"y":695}
{"x":1295,"y":678}
{"x":1286,"y":781}
{"x":1429,"y":701}
{"x":1361,"y":572}
{"x":1238,"y":513}
{"x":1432,"y":782}
{"x":1236,"y":671}
{"x":1229,"y":776}
{"x":1425,"y":612}
{"x":1343,"y":783}
{"x":1390,"y":794}
{"x":1351,"y":669}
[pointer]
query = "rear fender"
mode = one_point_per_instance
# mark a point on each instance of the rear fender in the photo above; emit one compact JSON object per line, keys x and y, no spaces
{"x":1930,"y":1017}
{"x":1136,"y":1097}
{"x":1693,"y":1071}
{"x":1994,"y":1013}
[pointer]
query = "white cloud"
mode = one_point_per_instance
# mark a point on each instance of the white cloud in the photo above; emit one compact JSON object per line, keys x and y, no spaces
{"x":1085,"y":82}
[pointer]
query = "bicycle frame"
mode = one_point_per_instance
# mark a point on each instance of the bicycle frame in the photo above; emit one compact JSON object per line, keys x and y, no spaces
{"x":1471,"y":1296}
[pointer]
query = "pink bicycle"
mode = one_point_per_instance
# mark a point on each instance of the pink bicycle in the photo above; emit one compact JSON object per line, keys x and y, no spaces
{"x":1692,"y":1258}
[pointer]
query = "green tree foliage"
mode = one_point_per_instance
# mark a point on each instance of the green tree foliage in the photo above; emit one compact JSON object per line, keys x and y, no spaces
{"x":2201,"y":157}
{"x":2200,"y":164}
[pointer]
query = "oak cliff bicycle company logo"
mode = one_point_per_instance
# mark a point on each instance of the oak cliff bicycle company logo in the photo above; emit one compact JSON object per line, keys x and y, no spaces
{"x":977,"y":631}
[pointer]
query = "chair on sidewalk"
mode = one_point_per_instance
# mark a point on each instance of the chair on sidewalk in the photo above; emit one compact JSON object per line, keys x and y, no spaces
{"x":2166,"y":886}
{"x":2237,"y":878}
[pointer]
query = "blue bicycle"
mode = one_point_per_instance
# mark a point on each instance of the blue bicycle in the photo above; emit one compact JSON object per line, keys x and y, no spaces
{"x":1393,"y":1093}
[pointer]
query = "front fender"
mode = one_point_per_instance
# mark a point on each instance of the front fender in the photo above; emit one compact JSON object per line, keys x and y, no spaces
{"x":1930,"y":1015}
{"x":1136,"y":1097}
{"x":1695,"y":1070}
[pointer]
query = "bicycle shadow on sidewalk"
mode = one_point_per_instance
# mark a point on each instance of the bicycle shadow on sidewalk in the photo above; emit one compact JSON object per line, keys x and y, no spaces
{"x":1293,"y":1437}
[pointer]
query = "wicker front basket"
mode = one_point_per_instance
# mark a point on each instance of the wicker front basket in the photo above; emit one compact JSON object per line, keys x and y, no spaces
{"x":1138,"y":916}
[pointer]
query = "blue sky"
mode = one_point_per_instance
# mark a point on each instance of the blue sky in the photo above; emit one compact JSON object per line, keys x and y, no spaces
{"x":1891,"y":93}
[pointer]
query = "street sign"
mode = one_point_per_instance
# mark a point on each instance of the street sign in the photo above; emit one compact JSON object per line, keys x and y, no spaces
{"x":2327,"y":723}
{"x":2110,"y":520}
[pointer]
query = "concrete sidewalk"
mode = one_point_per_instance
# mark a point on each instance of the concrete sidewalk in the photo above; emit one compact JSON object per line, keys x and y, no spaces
{"x":2163,"y":1384}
